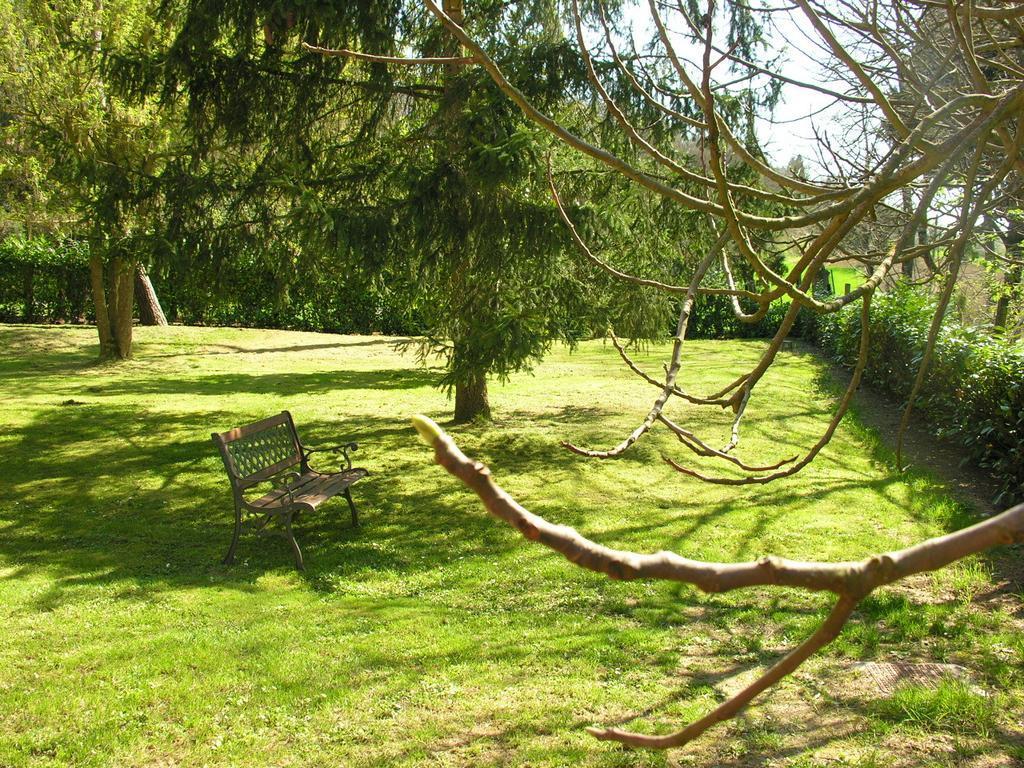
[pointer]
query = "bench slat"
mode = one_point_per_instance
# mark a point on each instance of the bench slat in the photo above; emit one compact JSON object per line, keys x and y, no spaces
{"x":312,"y":489}
{"x":284,"y":417}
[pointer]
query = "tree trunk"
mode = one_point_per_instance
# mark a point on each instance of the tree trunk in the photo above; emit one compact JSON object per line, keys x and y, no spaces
{"x":455,"y":11}
{"x":471,"y":389}
{"x":150,"y":311}
{"x":907,"y":267}
{"x":99,"y":302}
{"x":123,"y":284}
{"x":471,"y":399}
{"x":113,"y":289}
{"x":112,"y":297}
{"x":1011,"y":280}
{"x":1012,"y":241}
{"x":922,"y":239}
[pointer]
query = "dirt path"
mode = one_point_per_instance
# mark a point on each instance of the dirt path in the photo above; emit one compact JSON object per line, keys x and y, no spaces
{"x":943,"y":459}
{"x":921,"y":448}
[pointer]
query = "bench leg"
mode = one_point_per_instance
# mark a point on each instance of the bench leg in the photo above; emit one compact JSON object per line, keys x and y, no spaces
{"x":295,"y":545}
{"x":352,"y":506}
{"x":229,"y":558}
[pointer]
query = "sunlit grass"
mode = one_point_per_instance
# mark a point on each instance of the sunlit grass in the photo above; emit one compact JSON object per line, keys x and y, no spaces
{"x":431,"y":635}
{"x":951,"y":707}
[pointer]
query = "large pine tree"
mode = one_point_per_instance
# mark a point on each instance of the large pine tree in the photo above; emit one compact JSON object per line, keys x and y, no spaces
{"x":420,"y":173}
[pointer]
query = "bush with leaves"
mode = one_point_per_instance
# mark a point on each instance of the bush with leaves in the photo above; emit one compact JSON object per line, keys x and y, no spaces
{"x":713,"y":318}
{"x":251,"y":293}
{"x":43,"y":280}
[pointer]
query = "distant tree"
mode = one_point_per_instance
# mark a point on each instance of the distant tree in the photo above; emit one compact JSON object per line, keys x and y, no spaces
{"x":88,"y":156}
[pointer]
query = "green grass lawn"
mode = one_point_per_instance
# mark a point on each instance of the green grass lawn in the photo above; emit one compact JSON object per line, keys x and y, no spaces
{"x":840,"y":277}
{"x":432,"y":635}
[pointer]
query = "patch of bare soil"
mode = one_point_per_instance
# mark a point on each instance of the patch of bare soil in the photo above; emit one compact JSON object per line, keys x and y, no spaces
{"x":921,"y":447}
{"x":1008,"y":593}
{"x":882,"y":678}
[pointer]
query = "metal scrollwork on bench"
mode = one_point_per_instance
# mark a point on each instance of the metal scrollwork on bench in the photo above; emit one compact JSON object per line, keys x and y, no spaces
{"x":255,"y":452}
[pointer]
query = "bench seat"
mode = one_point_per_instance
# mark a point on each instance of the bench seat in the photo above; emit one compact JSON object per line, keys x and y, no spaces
{"x":311,"y":489}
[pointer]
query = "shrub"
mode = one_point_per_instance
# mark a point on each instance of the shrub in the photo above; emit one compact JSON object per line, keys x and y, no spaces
{"x":974,"y":389}
{"x":250,"y":295}
{"x":48,"y":281}
{"x":43,"y":280}
{"x":713,"y":318}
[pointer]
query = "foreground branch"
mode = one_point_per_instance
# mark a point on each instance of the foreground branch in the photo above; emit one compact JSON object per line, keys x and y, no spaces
{"x":851,"y":581}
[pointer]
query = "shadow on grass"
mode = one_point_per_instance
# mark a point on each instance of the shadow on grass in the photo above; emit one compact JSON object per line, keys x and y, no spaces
{"x":100,"y":493}
{"x":30,"y":349}
{"x":172,"y":517}
{"x":970,"y":488}
{"x":103,"y":494}
{"x":298,"y":385}
{"x":231,"y":349}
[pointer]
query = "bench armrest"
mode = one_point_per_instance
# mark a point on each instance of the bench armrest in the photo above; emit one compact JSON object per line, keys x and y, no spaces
{"x":343,"y":449}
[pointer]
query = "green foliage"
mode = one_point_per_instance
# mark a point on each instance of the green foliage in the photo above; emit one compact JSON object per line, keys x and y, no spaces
{"x":422,"y":183}
{"x":44,"y":253}
{"x":713,"y":318}
{"x":48,"y":281}
{"x":974,"y":389}
{"x":94,"y":155}
{"x":248,"y":293}
{"x":43,"y":280}
{"x":96,"y":151}
{"x":427,"y":176}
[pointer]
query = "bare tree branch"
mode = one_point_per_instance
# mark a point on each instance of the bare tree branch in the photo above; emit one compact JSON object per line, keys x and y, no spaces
{"x":410,"y":61}
{"x":851,"y":581}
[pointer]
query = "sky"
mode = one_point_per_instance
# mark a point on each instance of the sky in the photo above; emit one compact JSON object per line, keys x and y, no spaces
{"x":800,"y":111}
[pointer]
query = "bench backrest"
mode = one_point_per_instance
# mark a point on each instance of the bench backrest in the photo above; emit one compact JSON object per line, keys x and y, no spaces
{"x":260,"y":450}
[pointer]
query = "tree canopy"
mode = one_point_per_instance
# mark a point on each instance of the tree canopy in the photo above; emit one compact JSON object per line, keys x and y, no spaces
{"x":351,"y":138}
{"x":422,"y":176}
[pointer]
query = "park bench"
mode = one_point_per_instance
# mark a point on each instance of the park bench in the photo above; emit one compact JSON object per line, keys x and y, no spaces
{"x":269,"y":451}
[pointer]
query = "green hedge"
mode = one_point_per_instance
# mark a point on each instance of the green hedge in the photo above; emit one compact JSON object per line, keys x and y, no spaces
{"x":974,"y":389}
{"x":43,"y":281}
{"x":251,"y":295}
{"x":713,"y":318}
